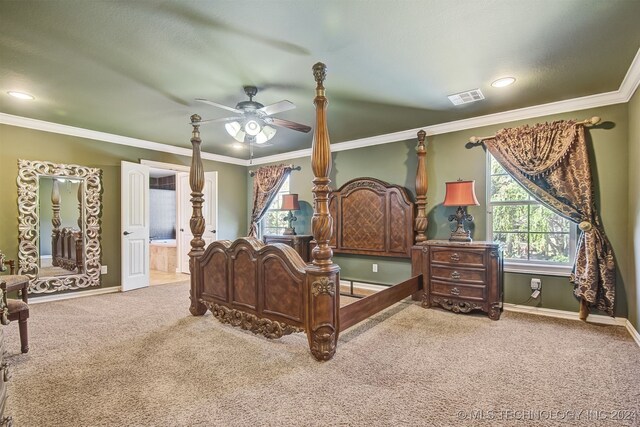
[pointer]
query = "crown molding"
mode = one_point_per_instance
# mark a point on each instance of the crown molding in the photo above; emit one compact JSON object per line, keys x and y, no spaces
{"x":622,"y":95}
{"x":631,"y":79}
{"x":577,"y":104}
{"x":44,"y":126}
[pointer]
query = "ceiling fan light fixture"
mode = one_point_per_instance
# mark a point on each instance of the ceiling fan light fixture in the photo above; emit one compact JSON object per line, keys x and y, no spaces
{"x":265,"y":134}
{"x":252,"y":127}
{"x":235,"y":130}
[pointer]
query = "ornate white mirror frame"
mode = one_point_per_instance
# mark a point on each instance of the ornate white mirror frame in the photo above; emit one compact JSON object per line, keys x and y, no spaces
{"x":29,"y":173}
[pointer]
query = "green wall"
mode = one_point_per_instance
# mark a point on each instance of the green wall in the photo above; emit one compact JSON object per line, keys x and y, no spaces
{"x":449,"y":158}
{"x":614,"y":146}
{"x":633,"y":281}
{"x":29,"y":144}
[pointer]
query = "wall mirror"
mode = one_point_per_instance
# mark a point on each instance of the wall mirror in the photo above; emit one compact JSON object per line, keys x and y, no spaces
{"x":59,"y":225}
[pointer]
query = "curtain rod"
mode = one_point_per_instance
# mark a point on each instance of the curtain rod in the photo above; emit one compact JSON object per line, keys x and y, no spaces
{"x":293,"y":167}
{"x":587,"y":122}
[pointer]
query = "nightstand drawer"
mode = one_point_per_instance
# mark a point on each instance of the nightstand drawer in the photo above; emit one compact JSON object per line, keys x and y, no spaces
{"x":468,"y":292}
{"x":469,"y":275}
{"x":459,"y":256}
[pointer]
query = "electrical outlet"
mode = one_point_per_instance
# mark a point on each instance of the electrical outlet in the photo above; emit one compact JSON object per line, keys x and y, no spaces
{"x":375,"y":268}
{"x":103,"y":269}
{"x":536,"y":284}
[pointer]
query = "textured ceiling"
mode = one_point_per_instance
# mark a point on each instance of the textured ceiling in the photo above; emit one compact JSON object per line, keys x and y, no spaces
{"x":134,"y":68}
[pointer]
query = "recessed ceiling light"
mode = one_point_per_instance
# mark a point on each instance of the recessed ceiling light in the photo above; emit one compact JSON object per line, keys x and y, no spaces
{"x":21,"y":95}
{"x":504,"y":81}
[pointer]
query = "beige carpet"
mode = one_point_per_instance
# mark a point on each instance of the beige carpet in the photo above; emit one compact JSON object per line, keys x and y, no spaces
{"x":140,"y":359}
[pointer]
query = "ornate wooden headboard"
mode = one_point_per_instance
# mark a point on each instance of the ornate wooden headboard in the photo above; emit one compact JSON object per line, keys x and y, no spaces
{"x":372,"y":217}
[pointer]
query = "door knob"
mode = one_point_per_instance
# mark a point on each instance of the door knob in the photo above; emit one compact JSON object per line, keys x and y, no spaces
{"x":182,"y":229}
{"x":213,"y":231}
{"x":126,"y":233}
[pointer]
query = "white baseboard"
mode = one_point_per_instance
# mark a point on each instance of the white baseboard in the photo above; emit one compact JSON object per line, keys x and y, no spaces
{"x":562,"y":314}
{"x":634,"y":334}
{"x":79,"y":294}
{"x":572,"y":315}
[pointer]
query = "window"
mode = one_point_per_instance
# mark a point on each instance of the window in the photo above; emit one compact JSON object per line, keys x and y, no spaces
{"x":535,"y":239}
{"x":272,"y":223}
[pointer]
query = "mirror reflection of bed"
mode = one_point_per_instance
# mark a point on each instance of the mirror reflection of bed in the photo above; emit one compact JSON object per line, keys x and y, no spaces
{"x":61,"y":235}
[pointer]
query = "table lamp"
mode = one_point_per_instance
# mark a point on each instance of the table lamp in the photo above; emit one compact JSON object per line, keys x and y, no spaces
{"x":461,"y":194}
{"x":290,"y":203}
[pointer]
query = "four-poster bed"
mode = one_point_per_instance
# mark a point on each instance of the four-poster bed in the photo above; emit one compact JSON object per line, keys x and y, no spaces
{"x":66,"y":243}
{"x":269,"y":289}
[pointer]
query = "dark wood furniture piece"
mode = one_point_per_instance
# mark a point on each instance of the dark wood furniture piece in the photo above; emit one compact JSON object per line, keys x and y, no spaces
{"x":16,"y":309}
{"x":5,"y":376}
{"x":67,"y":249}
{"x":300,"y":242}
{"x":372,"y":217}
{"x":4,"y":367}
{"x":269,"y":289}
{"x":462,"y":276}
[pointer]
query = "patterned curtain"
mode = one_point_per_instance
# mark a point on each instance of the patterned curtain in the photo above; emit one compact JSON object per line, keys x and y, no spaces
{"x":550,"y":160}
{"x":266,"y":183}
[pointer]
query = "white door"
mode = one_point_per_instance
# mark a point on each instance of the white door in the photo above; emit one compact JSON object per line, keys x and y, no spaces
{"x":209,"y":211}
{"x":134,"y":225}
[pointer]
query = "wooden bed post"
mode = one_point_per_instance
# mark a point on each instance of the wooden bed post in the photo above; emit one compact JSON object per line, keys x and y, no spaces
{"x":196,"y":223}
{"x":421,"y":220}
{"x":323,"y":276}
{"x":56,"y":222}
{"x":421,"y":190}
{"x":80,"y":196}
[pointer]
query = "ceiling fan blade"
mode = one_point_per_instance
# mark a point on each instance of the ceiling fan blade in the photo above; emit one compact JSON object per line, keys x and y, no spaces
{"x":288,"y":124}
{"x":224,"y":119}
{"x":215,"y":104}
{"x":278,"y":107}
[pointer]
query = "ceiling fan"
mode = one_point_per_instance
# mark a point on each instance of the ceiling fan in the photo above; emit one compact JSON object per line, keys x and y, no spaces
{"x":253,"y":122}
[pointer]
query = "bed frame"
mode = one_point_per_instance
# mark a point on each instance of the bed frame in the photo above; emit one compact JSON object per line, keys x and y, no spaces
{"x":269,"y":289}
{"x":67,"y":245}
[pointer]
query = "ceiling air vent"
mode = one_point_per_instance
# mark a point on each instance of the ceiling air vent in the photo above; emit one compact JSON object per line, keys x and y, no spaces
{"x":472,"y":95}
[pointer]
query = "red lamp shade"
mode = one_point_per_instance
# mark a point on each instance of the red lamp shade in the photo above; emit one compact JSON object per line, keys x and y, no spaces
{"x":461,"y":193}
{"x":290,"y":202}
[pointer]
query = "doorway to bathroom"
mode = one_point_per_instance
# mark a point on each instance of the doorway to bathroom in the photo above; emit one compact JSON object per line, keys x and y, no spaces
{"x":163,"y":219}
{"x":156,"y":235}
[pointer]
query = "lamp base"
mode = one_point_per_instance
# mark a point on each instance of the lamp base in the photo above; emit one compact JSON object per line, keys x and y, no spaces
{"x":460,"y":234}
{"x":457,"y":236}
{"x":289,"y":231}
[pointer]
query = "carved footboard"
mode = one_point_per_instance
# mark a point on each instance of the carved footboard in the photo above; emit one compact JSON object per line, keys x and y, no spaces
{"x":67,"y":249}
{"x":254,"y":286}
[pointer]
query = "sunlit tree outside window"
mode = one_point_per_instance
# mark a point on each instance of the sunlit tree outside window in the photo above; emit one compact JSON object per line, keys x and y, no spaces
{"x":530,"y":232}
{"x":272,"y":223}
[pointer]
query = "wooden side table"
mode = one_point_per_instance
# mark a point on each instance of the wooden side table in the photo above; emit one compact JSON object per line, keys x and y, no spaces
{"x":300,"y":242}
{"x":462,"y":276}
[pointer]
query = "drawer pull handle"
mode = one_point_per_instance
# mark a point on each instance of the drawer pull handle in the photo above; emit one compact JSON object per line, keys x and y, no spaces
{"x":455,"y":275}
{"x":455,"y":291}
{"x":455,"y":257}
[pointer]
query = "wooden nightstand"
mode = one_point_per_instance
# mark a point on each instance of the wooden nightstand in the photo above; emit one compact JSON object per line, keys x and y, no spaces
{"x":301,"y":243}
{"x":462,"y":276}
